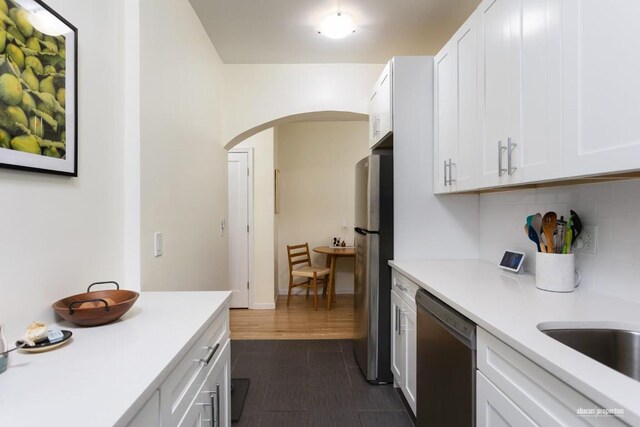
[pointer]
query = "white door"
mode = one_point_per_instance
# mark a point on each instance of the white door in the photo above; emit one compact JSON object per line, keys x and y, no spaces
{"x":239,"y":228}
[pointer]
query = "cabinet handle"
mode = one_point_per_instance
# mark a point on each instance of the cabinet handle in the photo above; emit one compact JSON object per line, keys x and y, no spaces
{"x":401,"y":287}
{"x":207,"y":359}
{"x":445,"y":173}
{"x":400,"y":322}
{"x":451,"y":180}
{"x":510,"y":147}
{"x":501,"y":150}
{"x":216,"y":407}
{"x":397,"y":318}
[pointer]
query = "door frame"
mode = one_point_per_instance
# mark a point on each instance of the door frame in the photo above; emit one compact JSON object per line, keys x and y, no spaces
{"x":249,"y":152}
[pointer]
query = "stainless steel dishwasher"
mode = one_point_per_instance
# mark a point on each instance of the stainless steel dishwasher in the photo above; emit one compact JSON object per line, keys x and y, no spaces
{"x":446,"y":368}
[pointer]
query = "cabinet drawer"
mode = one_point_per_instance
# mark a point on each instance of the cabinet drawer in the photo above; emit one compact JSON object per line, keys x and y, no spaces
{"x":541,"y":396}
{"x":405,"y":288}
{"x":181,"y":385}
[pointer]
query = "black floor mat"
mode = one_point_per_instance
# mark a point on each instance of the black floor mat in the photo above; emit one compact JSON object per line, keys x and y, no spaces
{"x":239,"y":390}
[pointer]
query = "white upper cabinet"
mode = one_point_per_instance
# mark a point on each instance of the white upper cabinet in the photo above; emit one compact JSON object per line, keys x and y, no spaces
{"x":521,"y":99}
{"x":457,"y":138}
{"x":601,"y":86}
{"x":380,"y":108}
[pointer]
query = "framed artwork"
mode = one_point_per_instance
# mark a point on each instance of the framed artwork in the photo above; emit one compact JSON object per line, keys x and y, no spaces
{"x":38,"y":89}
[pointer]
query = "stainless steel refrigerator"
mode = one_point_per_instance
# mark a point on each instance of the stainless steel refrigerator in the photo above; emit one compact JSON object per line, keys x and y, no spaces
{"x":374,"y":247}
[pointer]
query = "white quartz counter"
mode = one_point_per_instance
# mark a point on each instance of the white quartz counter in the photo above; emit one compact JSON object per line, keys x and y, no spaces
{"x":511,"y":307}
{"x":106,"y":373}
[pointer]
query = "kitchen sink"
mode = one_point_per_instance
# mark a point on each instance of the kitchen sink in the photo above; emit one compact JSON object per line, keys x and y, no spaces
{"x":616,"y":348}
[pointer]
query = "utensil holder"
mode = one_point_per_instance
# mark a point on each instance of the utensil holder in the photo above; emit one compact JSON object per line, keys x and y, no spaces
{"x":556,"y":272}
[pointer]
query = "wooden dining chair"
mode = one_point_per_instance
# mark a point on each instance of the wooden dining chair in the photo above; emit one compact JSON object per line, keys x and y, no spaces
{"x":300,"y":266}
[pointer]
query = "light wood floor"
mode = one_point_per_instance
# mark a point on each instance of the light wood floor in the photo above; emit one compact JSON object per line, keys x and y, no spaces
{"x":298,"y":321}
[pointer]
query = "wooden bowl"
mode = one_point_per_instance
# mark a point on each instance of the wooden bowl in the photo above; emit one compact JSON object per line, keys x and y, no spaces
{"x":97,"y":307}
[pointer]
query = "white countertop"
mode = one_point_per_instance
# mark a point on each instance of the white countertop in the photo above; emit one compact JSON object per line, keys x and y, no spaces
{"x":510,"y":307}
{"x":107,"y":372}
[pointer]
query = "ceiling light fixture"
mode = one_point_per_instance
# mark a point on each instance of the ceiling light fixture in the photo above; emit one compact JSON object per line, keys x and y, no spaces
{"x":337,"y":25}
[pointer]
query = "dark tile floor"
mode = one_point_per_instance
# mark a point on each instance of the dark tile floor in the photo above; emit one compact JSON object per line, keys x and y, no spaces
{"x":311,"y":383}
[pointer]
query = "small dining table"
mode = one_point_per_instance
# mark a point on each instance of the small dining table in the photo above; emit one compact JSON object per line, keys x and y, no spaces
{"x":333,"y":253}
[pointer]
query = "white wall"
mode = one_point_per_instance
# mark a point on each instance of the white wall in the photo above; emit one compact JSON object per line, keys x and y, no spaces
{"x":59,"y":234}
{"x":263,"y":235}
{"x":317,"y":171}
{"x":425,"y":226}
{"x":258,"y":94}
{"x":183,"y":164}
{"x":613,"y":207}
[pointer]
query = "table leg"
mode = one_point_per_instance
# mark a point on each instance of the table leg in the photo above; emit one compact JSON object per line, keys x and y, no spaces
{"x":326,"y":283}
{"x":332,"y":271}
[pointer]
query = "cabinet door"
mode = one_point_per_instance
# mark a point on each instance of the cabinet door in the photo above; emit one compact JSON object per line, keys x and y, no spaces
{"x":601,"y":86}
{"x":446,"y":116}
{"x":397,"y":348}
{"x":538,"y":92}
{"x":498,"y":38}
{"x":466,"y":152}
{"x":494,"y":409}
{"x":409,"y":331}
{"x":374,"y":118}
{"x":217,"y":390}
{"x":385,"y":102}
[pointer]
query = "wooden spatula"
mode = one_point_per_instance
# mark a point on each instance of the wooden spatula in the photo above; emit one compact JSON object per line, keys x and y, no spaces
{"x":549,"y":222}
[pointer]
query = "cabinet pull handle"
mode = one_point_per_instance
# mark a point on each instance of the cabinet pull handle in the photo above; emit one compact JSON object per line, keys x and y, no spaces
{"x":207,"y":359}
{"x":400,"y":321}
{"x":445,"y":173}
{"x":510,"y":147}
{"x":397,"y":318}
{"x":216,"y":407}
{"x":451,"y":164}
{"x":501,"y":150}
{"x":401,"y":287}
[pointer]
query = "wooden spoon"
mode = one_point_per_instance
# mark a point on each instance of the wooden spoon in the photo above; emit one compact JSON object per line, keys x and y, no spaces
{"x":549,"y":223}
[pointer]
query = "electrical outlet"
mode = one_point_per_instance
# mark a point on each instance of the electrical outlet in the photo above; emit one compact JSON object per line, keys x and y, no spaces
{"x":586,"y":242}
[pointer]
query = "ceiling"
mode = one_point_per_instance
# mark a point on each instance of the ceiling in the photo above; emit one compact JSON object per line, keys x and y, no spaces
{"x":285,"y":31}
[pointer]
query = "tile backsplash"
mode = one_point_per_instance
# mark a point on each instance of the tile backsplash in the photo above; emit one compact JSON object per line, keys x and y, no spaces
{"x":614,"y":207}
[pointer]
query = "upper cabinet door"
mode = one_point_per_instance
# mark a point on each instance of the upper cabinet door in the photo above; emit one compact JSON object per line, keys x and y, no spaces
{"x":385,"y":100}
{"x":381,"y":108}
{"x":601,"y":86}
{"x":521,"y":98}
{"x":538,"y":130}
{"x":465,"y":169}
{"x":446,"y":116}
{"x":498,"y":41}
{"x":457,"y":142}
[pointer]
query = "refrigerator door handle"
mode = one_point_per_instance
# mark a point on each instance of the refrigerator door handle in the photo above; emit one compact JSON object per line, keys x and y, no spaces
{"x":360,"y":231}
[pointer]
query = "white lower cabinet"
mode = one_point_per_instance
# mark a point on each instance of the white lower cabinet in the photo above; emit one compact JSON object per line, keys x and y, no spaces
{"x":404,"y":337}
{"x":512,"y":390}
{"x":495,"y":409}
{"x":211,"y":406}
{"x":197,"y":391}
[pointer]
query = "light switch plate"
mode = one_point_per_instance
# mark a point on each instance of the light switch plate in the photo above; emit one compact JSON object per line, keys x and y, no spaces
{"x":157,"y":244}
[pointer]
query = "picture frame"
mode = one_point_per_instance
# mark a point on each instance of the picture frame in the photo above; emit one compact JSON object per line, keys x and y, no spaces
{"x":38,"y":89}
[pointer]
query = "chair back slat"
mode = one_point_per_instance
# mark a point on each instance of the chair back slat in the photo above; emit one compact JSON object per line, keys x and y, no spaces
{"x":298,"y":254}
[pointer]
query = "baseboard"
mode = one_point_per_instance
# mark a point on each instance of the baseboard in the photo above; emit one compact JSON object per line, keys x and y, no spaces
{"x":301,"y":291}
{"x":263,"y":306}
